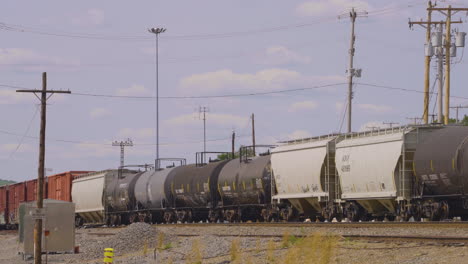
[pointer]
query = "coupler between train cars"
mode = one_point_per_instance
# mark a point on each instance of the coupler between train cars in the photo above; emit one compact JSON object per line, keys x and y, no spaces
{"x":286,"y":213}
{"x":332,"y":211}
{"x":354,"y":212}
{"x":270,"y":213}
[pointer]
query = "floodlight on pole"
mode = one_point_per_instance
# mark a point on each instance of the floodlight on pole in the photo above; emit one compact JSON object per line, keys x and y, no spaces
{"x":156,"y":32}
{"x":122,"y":145}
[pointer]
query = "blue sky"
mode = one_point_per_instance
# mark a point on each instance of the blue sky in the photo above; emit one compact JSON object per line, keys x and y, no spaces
{"x":210,"y":48}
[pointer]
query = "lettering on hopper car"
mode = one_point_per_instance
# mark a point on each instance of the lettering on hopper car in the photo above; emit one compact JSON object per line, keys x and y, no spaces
{"x":346,"y":168}
{"x":436,"y":179}
{"x":345,"y":158}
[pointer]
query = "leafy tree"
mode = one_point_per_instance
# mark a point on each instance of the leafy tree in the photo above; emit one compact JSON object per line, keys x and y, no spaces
{"x":463,"y":121}
{"x":5,"y":182}
{"x":225,"y":156}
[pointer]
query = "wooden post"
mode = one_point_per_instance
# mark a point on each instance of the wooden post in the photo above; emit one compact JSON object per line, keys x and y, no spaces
{"x":40,"y":174}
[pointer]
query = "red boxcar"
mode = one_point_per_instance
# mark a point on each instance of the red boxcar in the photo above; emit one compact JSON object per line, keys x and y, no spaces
{"x":59,"y":185}
{"x":31,"y":190}
{"x":16,"y":195}
{"x":56,"y":187}
{"x":3,"y":205}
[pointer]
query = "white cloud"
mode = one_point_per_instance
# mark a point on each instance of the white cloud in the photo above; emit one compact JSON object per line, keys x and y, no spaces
{"x":10,"y":147}
{"x":92,"y":17}
{"x":298,"y":134}
{"x":134,"y":90}
{"x":375,"y":108}
{"x":339,"y":106}
{"x":212,"y":118}
{"x":280,"y":55}
{"x":12,"y":97}
{"x":100,"y":112}
{"x":29,"y":60}
{"x":269,"y":79}
{"x":329,"y":7}
{"x":304,"y":105}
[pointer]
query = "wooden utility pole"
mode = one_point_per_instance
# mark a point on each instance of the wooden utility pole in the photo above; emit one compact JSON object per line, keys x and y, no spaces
{"x":253,"y":134}
{"x":427,"y":64}
{"x":41,"y":168}
{"x":233,"y":144}
{"x":448,"y":12}
{"x":448,"y":44}
{"x":428,"y":25}
{"x":351,"y":71}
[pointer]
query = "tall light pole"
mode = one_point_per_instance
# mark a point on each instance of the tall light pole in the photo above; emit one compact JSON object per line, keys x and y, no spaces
{"x":156,"y":32}
{"x":122,"y":145}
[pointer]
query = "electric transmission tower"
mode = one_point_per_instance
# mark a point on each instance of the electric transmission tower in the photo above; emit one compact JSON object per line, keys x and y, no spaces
{"x":122,"y":145}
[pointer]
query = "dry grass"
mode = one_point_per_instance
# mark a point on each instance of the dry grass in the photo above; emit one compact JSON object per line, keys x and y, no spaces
{"x":195,"y":254}
{"x":271,"y":252}
{"x":258,"y":246}
{"x":145,"y":248}
{"x":235,"y":251}
{"x":313,"y":249}
{"x":160,"y":241}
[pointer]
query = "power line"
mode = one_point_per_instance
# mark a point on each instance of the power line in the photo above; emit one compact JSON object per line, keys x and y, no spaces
{"x":405,"y":89}
{"x":206,"y":36}
{"x":25,"y":133}
{"x":246,"y":94}
{"x":107,"y":144}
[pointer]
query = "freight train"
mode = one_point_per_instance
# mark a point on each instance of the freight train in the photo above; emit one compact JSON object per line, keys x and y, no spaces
{"x":397,"y":173}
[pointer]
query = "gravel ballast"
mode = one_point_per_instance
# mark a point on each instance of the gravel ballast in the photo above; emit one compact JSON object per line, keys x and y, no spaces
{"x":136,"y":243}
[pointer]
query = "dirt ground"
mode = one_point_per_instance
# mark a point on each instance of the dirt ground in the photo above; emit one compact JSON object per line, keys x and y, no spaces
{"x":325,"y":246}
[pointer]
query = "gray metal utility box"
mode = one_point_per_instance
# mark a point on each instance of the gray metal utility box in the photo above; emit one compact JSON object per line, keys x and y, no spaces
{"x":58,"y":226}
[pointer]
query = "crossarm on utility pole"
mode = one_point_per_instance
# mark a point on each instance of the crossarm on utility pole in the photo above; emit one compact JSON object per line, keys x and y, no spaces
{"x":41,"y":167}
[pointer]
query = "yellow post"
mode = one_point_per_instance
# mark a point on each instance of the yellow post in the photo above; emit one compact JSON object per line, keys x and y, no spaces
{"x":108,"y":255}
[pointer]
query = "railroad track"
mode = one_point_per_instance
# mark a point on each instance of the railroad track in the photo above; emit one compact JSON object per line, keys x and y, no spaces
{"x":433,"y":239}
{"x":327,"y":225}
